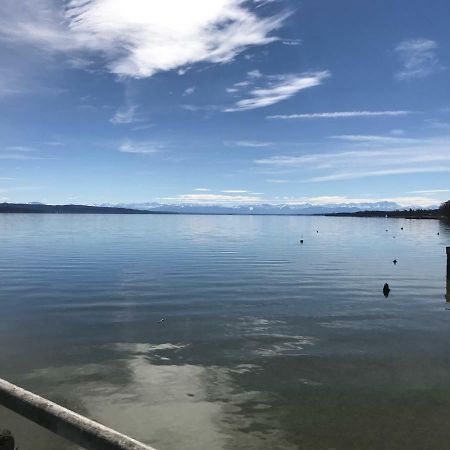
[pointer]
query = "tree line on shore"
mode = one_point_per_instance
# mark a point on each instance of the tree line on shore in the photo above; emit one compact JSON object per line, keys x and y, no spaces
{"x":444,"y":209}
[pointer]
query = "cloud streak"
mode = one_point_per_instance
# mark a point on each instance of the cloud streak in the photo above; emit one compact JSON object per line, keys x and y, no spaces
{"x":276,"y":89}
{"x":252,"y":144}
{"x":143,"y":148}
{"x":340,"y":115}
{"x":383,"y":157}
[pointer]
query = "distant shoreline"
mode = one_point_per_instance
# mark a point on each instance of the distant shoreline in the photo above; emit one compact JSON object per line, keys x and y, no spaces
{"x":431,"y":214}
{"x":38,"y":208}
{"x":24,"y":208}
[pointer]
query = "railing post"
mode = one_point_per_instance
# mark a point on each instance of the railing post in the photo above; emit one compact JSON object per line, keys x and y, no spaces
{"x":6,"y":440}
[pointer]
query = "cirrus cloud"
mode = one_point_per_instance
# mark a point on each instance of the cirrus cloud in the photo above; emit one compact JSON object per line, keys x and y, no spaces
{"x":274,"y":88}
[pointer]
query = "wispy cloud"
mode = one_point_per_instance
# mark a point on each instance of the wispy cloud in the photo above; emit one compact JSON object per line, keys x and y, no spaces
{"x":20,"y":148}
{"x":275,"y":88}
{"x":252,"y":144}
{"x":201,"y":189}
{"x":143,"y":148}
{"x":339,"y":115}
{"x":125,"y":116}
{"x":19,"y":152}
{"x":189,"y":91}
{"x":418,"y":57}
{"x":293,"y":42}
{"x":236,"y":191}
{"x":371,"y":139}
{"x":136,"y":38}
{"x":382,"y":158}
{"x":380,"y":173}
{"x":214,"y":199}
{"x":429,"y":191}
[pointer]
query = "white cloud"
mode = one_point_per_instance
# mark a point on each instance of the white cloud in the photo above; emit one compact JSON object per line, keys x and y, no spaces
{"x":237,"y":191}
{"x":418,"y":57}
{"x":125,"y":116}
{"x":340,"y":114}
{"x":252,"y":144}
{"x":276,"y":88}
{"x":143,"y":148}
{"x":255,"y":74}
{"x":138,"y":38}
{"x":293,"y":42}
{"x":201,"y":189}
{"x":429,"y":191}
{"x":214,"y":199}
{"x":189,"y":91}
{"x":370,"y":139}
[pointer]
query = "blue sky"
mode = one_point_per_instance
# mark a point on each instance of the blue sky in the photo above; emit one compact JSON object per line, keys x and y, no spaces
{"x":225,"y":101}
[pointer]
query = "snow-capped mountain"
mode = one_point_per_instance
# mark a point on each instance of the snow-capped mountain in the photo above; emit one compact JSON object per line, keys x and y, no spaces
{"x":304,"y":208}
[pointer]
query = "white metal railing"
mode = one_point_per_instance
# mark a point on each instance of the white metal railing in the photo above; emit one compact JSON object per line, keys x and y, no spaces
{"x":63,"y":422}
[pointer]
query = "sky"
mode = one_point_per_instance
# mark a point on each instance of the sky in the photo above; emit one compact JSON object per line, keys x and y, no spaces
{"x":225,"y":101}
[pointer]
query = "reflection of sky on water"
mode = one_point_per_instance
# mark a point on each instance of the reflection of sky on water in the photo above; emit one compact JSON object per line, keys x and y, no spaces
{"x":266,"y":344}
{"x":143,"y":393}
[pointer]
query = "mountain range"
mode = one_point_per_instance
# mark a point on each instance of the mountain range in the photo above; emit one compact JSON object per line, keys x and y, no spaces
{"x":263,"y":208}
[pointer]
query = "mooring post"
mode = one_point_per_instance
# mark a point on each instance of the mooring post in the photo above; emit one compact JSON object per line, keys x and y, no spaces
{"x":448,"y":263}
{"x":6,"y":440}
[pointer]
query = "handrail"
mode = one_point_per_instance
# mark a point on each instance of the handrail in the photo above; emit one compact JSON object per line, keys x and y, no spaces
{"x":63,"y":422}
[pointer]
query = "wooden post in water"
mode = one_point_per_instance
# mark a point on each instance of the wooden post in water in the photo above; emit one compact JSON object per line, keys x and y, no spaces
{"x":447,"y":293}
{"x":448,"y":263}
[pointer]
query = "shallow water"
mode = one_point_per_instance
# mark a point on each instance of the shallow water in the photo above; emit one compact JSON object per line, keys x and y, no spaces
{"x":266,"y":343}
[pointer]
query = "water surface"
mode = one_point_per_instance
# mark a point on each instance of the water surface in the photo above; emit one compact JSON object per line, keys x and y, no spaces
{"x":265,"y":343}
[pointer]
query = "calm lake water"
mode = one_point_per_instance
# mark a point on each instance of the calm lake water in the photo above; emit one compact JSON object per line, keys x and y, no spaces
{"x":266,"y":344}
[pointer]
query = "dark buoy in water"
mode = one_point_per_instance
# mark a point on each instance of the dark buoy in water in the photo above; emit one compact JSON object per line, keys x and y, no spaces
{"x":387,"y":230}
{"x":318,"y":231}
{"x":401,"y":228}
{"x":438,"y":233}
{"x":386,"y":290}
{"x":301,"y":241}
{"x":395,"y":262}
{"x":162,"y":320}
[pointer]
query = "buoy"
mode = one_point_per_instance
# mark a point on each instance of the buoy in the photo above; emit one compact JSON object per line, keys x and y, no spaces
{"x":395,"y":261}
{"x":301,"y":241}
{"x":386,"y":289}
{"x":401,"y":228}
{"x":162,"y":320}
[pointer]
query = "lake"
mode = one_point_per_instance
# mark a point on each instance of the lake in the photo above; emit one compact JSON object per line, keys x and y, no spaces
{"x":266,"y":343}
